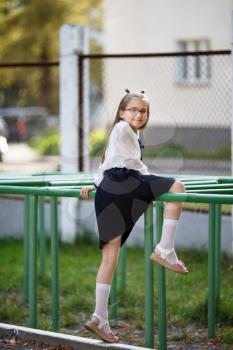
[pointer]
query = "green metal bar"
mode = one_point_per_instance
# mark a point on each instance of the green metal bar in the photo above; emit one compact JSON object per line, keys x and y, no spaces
{"x":149,"y":285}
{"x":167,"y":197}
{"x":42,"y":237}
{"x":217,"y":251}
{"x":113,"y":296}
{"x":225,"y":179}
{"x":212,"y":186}
{"x":54,"y":257}
{"x":200,"y":183}
{"x":26,"y":249}
{"x":161,"y":284}
{"x":223,"y":191}
{"x":211,"y":273}
{"x":33,"y":263}
{"x":66,"y":192}
{"x":122,"y":268}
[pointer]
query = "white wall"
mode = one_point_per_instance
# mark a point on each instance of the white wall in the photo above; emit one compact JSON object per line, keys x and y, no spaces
{"x":155,"y":26}
{"x":188,"y":234}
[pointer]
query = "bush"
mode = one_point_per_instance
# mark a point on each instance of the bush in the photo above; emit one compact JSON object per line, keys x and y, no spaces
{"x":97,"y":141}
{"x":47,"y":143}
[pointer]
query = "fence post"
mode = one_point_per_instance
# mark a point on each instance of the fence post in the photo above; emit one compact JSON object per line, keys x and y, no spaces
{"x":55,"y":269}
{"x":26,"y":249}
{"x":149,"y":285}
{"x":73,"y":40}
{"x":217,"y":252}
{"x":113,"y":296}
{"x":122,"y":268}
{"x":211,"y":272}
{"x":161,"y":284}
{"x":33,"y":263}
{"x":42,"y":236}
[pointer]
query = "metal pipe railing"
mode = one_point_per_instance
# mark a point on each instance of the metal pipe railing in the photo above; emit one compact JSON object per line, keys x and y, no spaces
{"x":31,"y":194}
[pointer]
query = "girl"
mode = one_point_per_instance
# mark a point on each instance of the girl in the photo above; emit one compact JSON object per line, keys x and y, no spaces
{"x":124,"y":189}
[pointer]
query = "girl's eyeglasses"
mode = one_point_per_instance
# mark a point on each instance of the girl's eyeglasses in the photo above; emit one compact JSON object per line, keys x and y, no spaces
{"x":135,"y":111}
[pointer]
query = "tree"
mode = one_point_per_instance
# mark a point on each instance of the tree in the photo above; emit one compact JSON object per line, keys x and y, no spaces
{"x":29,"y":31}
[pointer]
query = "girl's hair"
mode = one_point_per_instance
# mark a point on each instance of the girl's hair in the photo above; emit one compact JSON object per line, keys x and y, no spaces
{"x":123,"y":105}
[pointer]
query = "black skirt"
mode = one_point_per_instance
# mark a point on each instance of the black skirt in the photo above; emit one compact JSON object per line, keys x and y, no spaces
{"x":122,"y":197}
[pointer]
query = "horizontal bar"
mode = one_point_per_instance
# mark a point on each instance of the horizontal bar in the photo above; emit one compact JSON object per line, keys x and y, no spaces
{"x":29,"y":64}
{"x":225,"y":180}
{"x":162,"y":54}
{"x":199,"y":183}
{"x":66,"y":192}
{"x":209,"y":186}
{"x":213,"y":191}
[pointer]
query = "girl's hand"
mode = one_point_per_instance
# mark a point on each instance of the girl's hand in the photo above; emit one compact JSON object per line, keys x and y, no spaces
{"x":85,"y":190}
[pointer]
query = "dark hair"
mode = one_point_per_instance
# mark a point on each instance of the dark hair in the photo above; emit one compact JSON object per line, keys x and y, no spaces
{"x":122,"y":106}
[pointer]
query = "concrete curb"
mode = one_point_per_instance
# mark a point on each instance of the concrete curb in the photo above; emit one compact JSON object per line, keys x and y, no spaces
{"x":53,"y":338}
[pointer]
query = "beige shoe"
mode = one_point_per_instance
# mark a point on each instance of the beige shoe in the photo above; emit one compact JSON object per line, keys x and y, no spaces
{"x":160,"y":255}
{"x":96,"y":327}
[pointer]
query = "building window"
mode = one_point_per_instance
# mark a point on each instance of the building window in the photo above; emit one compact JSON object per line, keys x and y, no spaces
{"x":193,"y":69}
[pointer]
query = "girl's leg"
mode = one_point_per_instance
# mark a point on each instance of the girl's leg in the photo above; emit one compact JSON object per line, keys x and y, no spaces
{"x":110,"y":256}
{"x":172,"y":212}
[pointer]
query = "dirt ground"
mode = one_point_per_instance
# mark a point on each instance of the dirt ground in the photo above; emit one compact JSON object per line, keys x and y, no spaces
{"x":203,"y":343}
{"x":11,"y":342}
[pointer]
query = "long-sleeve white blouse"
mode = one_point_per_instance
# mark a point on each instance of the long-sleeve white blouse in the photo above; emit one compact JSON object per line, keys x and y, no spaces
{"x":123,"y":150}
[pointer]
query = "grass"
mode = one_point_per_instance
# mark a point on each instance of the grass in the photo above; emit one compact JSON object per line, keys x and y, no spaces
{"x":186,"y":295}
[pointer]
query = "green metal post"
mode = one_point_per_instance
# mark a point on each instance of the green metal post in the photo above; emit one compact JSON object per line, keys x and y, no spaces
{"x":42,"y":236}
{"x":161,"y":284}
{"x":122,"y":268}
{"x":217,"y":251}
{"x":113,"y":296}
{"x":33,"y":263}
{"x":26,"y":249}
{"x":54,"y":267}
{"x":211,"y":273}
{"x":149,"y":285}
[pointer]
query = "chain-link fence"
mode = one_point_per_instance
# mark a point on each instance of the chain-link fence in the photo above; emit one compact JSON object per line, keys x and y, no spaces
{"x":190,"y":121}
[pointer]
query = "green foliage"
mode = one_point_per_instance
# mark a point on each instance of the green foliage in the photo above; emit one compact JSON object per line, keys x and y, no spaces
{"x":97,"y":142}
{"x":226,"y":334}
{"x":47,"y":143}
{"x":29,"y":31}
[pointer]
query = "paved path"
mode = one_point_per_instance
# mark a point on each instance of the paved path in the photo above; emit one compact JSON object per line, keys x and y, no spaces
{"x":23,"y":159}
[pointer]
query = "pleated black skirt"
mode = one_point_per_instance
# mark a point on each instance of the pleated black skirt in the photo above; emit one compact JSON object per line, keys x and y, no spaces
{"x":122,"y":197}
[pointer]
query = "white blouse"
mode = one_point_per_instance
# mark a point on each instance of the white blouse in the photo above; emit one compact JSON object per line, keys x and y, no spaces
{"x":123,"y":151}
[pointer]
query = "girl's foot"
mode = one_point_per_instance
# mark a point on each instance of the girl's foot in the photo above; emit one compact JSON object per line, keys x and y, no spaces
{"x":100,"y":327}
{"x":165,"y":257}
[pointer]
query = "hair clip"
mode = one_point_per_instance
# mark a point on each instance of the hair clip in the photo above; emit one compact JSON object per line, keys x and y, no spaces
{"x":127,"y":90}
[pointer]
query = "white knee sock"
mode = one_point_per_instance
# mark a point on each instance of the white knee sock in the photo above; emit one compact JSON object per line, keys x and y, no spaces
{"x":168,"y":238}
{"x":101,"y":306}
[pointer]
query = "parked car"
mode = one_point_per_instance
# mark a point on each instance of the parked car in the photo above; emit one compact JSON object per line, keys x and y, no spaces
{"x":24,"y":122}
{"x":3,"y":138}
{"x":16,"y":127}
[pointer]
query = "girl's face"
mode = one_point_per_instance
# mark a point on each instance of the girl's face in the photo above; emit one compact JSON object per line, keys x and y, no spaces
{"x":135,"y":113}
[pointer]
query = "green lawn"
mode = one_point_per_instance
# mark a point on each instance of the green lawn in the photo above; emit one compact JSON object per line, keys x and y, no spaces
{"x":186,"y":295}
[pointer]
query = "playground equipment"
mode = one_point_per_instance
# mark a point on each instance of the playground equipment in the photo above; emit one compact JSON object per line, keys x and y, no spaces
{"x":212,"y":190}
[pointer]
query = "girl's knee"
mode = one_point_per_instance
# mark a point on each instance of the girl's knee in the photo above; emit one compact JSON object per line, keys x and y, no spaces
{"x":110,"y":261}
{"x":177,"y":187}
{"x":111,"y":253}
